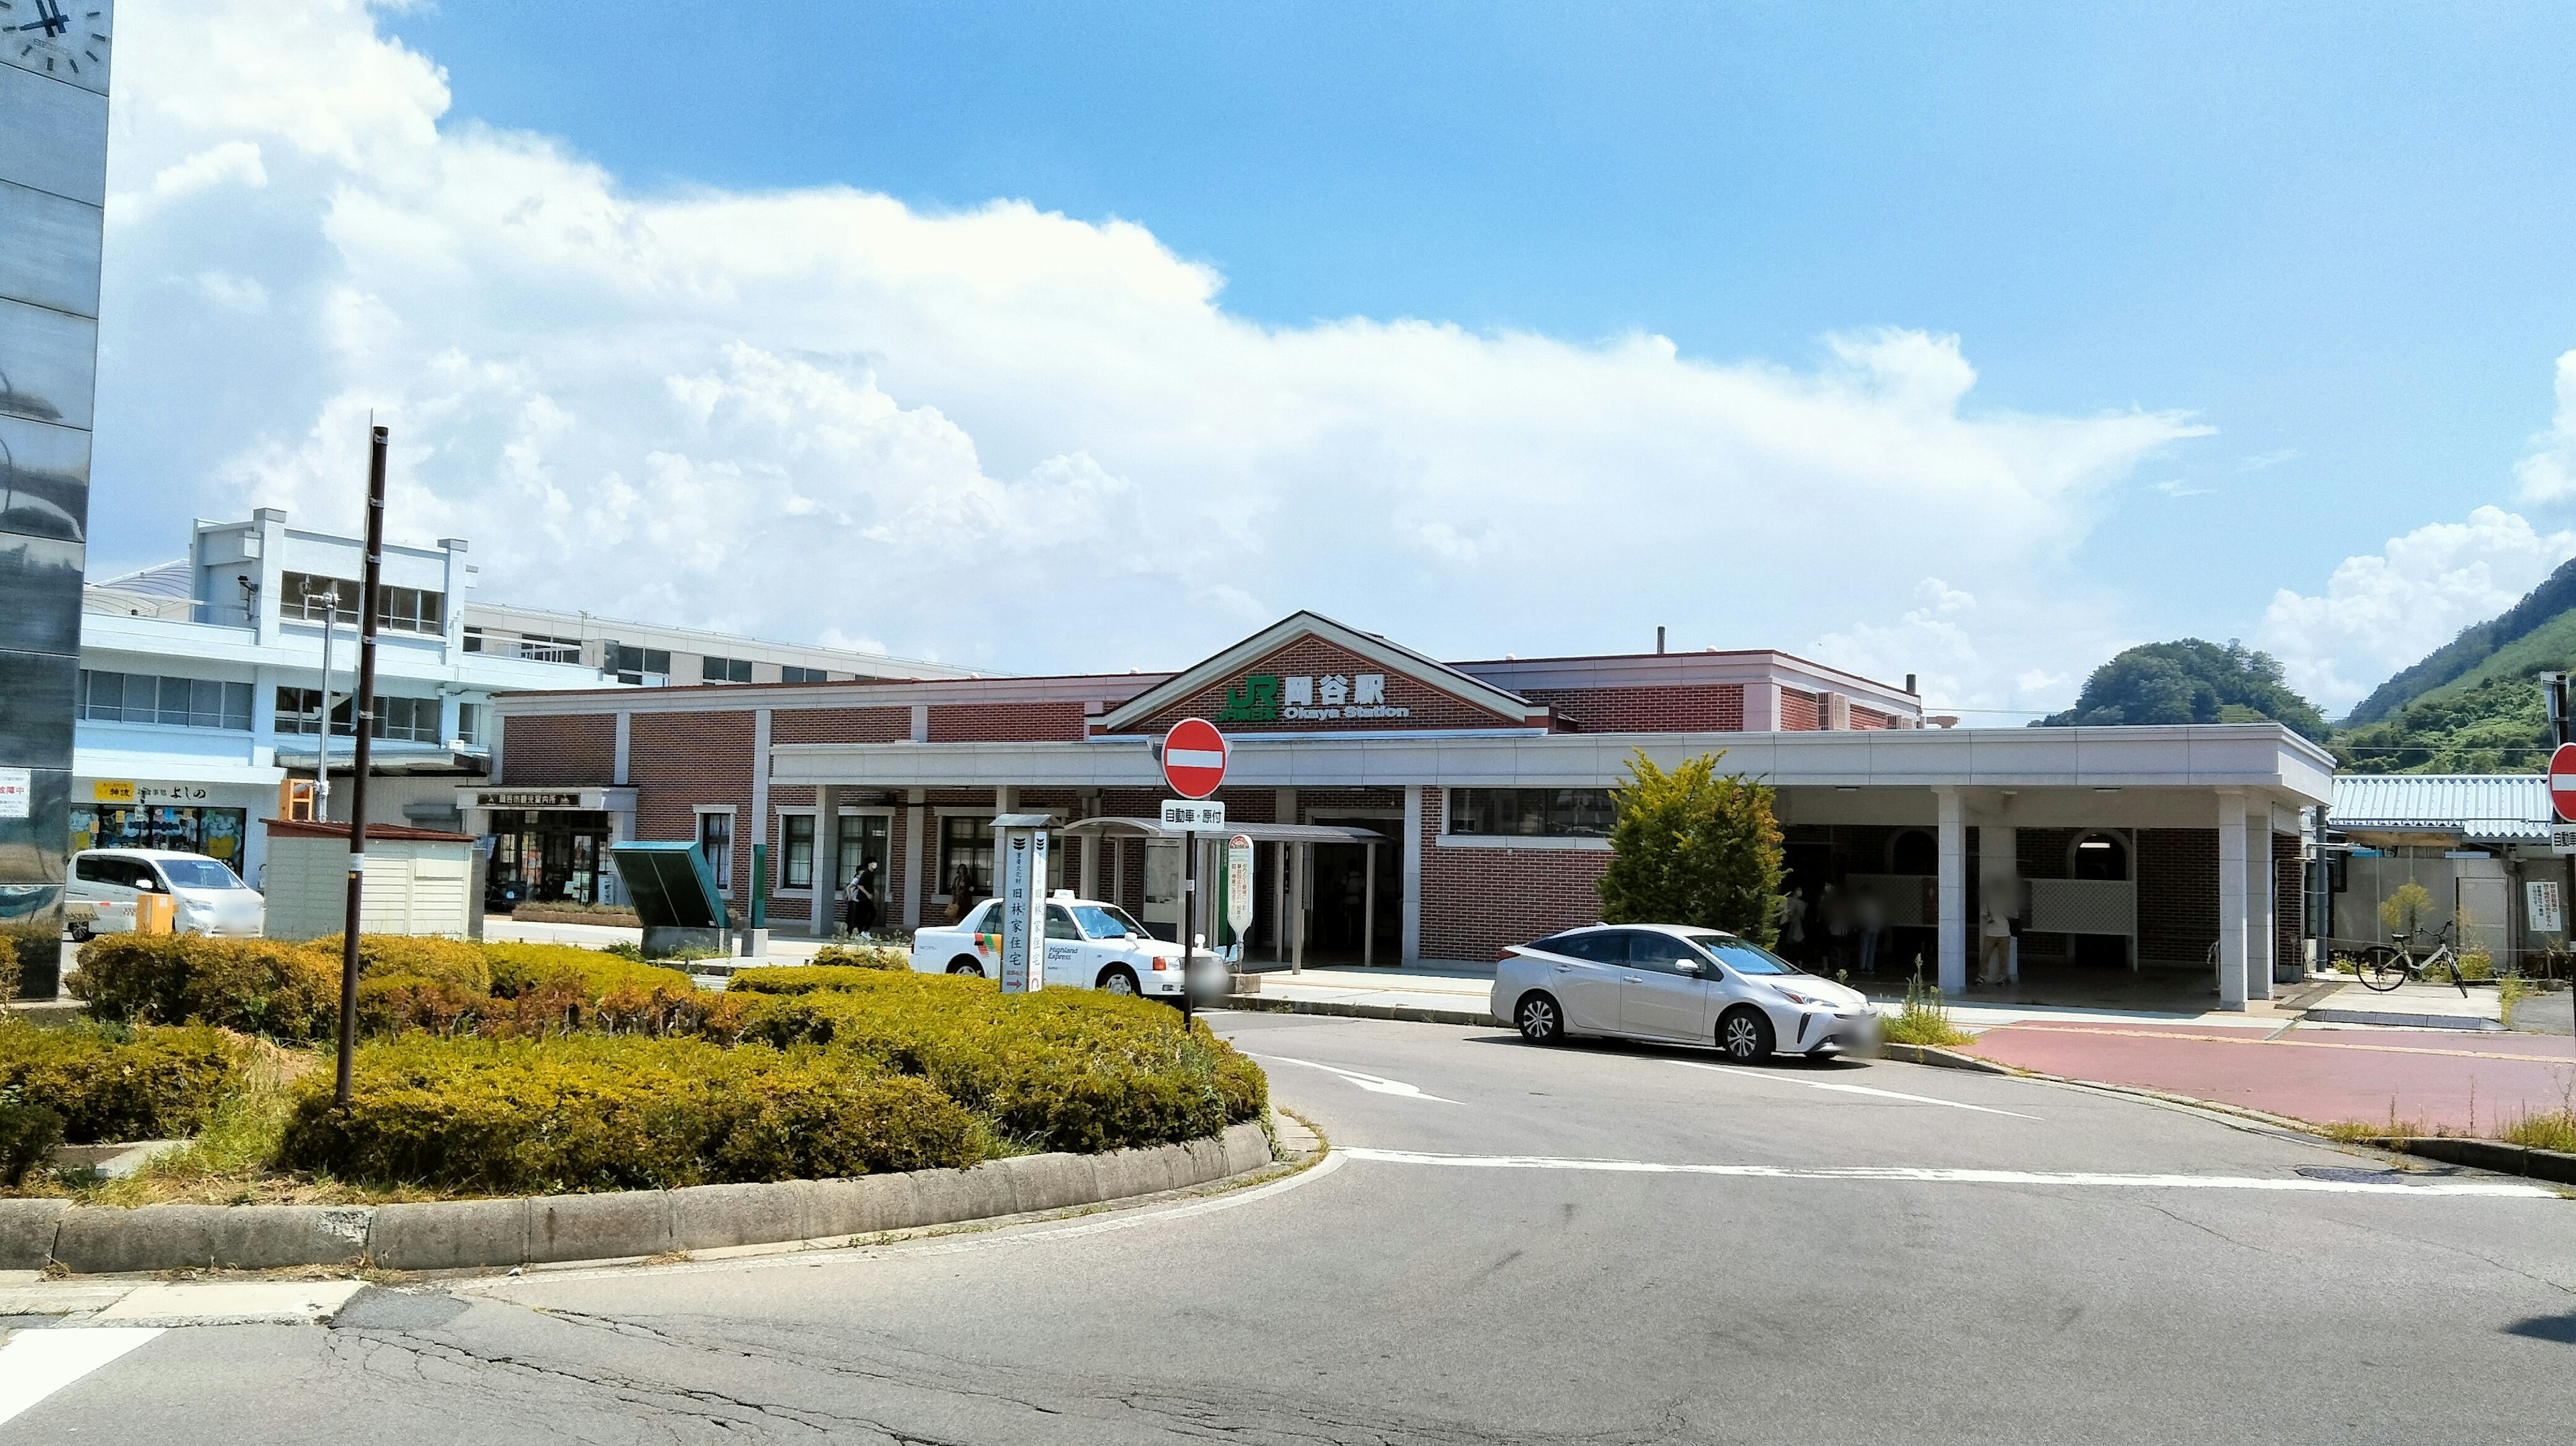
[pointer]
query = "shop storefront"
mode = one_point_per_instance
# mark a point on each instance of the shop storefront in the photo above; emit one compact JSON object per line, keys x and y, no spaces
{"x":190,"y":818}
{"x":548,"y":846}
{"x":1473,"y":801}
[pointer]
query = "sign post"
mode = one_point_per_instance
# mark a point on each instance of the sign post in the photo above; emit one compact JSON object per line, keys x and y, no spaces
{"x":1193,"y":755}
{"x":1020,"y":856}
{"x":1238,"y":889}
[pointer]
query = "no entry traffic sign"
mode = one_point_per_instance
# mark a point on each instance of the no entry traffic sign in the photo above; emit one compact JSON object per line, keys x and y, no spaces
{"x":1194,"y":758}
{"x":2562,"y":781}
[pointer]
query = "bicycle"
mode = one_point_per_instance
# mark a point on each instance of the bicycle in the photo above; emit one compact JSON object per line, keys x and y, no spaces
{"x":2385,"y":966}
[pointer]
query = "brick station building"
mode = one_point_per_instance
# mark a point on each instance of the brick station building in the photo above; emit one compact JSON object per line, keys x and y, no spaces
{"x":2122,"y":853}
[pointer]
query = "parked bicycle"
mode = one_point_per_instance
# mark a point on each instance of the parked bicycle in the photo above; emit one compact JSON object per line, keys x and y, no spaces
{"x":2385,"y":966}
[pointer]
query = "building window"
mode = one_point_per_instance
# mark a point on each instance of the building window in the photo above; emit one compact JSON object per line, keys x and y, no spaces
{"x":538,"y":648}
{"x":307,"y":598}
{"x":965,"y":849}
{"x":790,"y":674}
{"x":796,"y":851}
{"x":865,"y":838}
{"x":469,"y":722}
{"x":725,"y":670}
{"x":172,"y":702}
{"x":413,"y":720}
{"x":715,"y":840}
{"x":410,"y":610}
{"x":641,"y":667}
{"x":473,"y":640}
{"x":1531,"y":812}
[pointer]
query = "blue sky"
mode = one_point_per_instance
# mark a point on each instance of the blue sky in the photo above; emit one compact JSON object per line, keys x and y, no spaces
{"x":2337,"y":240}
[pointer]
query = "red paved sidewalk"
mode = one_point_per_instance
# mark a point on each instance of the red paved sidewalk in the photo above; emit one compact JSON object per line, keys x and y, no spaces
{"x":2434,"y":1078}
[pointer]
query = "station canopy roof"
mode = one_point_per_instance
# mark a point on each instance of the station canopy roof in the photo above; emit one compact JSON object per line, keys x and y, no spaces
{"x":2474,"y":807}
{"x":1290,"y":833}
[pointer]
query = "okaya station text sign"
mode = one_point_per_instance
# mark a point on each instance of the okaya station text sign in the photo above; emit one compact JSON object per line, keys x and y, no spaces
{"x":1309,"y":698}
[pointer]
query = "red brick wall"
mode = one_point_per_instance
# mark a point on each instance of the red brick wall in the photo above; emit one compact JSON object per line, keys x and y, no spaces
{"x":1477,"y":900}
{"x":1315,"y":658}
{"x":559,"y":750}
{"x":841,"y":725}
{"x":1800,"y":712}
{"x":680,"y":760}
{"x":1862,"y":718}
{"x":1681,"y":708}
{"x":1001,"y":722}
{"x":2177,"y":872}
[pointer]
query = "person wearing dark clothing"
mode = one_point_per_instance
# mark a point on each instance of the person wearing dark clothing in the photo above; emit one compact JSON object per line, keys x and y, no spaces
{"x":961,"y":894}
{"x":861,"y":912}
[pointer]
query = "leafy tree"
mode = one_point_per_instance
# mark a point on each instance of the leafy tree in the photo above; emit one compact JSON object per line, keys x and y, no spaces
{"x":2190,"y":681}
{"x":1694,"y":846}
{"x":2499,"y":726}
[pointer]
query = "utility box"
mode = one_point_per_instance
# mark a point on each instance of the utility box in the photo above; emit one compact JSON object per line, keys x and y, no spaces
{"x":418,"y":881}
{"x":675,"y":895}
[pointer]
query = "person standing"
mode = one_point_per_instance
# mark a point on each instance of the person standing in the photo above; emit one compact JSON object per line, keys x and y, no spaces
{"x":961,"y":893}
{"x":1995,"y":960}
{"x":861,"y":911}
{"x":1793,"y":924}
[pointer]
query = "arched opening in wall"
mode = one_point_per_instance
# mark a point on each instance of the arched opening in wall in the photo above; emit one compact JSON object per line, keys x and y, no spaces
{"x":1913,"y":851}
{"x":2101,"y":856}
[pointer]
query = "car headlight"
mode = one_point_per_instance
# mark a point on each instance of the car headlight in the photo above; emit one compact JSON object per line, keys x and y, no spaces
{"x":1811,"y":1001}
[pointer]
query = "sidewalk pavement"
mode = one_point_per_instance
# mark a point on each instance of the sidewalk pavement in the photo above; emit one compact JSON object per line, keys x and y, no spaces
{"x":783,"y":948}
{"x":2414,"y":1006}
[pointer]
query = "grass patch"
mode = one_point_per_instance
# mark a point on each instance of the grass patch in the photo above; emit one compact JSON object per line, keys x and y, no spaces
{"x":1925,"y":1019}
{"x":2551,"y":1130}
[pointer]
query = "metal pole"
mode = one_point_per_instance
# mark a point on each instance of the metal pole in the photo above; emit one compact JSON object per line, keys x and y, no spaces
{"x":1189,"y":919}
{"x":1368,"y":906}
{"x":361,"y":714}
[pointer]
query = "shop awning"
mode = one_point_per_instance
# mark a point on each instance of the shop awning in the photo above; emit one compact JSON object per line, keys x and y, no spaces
{"x":1286,"y":833}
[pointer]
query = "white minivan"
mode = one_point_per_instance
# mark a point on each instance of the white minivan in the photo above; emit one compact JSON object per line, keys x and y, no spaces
{"x":209,"y":897}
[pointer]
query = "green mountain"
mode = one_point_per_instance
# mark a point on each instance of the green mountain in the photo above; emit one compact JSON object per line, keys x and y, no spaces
{"x":2542,"y":609}
{"x":2189,"y":681}
{"x":2487,"y":716}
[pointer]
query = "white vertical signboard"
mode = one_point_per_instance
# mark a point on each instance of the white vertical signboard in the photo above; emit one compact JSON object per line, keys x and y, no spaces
{"x":2545,"y":914}
{"x":1020,"y":860}
{"x":17,"y":792}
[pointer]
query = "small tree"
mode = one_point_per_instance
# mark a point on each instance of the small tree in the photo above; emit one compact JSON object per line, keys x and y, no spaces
{"x":2403,"y":911}
{"x":1694,"y":846}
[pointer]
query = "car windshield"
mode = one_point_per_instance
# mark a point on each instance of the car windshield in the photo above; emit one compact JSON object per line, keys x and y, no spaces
{"x":1106,"y":921}
{"x":198,"y":874}
{"x":1744,"y":956}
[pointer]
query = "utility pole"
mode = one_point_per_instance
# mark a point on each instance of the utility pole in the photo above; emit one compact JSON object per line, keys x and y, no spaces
{"x":361,"y":713}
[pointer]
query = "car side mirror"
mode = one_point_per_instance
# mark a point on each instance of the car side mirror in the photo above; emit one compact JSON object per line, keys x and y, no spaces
{"x":1688,"y":966}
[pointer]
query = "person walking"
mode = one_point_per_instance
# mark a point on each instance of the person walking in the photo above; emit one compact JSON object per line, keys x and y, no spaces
{"x":860,"y":914}
{"x":1793,"y":924}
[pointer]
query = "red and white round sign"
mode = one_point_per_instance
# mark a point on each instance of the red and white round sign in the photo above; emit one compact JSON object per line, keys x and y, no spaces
{"x":1194,"y":758}
{"x":2562,"y":781}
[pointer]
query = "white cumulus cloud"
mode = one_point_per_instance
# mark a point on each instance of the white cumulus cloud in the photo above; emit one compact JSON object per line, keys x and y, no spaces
{"x":1003,"y":435}
{"x":2385,"y":610}
{"x":2548,"y":473}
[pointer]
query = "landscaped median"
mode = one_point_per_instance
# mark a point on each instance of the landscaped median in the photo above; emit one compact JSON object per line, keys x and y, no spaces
{"x":527,"y":1103}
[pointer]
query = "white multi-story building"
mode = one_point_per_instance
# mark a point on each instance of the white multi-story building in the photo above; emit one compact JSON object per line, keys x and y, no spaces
{"x":205,"y":682}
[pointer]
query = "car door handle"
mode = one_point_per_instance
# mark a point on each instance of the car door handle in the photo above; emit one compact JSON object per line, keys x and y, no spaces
{"x":1633,"y":978}
{"x":1564,"y":968}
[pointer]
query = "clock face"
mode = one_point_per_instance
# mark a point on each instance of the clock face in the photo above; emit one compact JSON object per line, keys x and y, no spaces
{"x":66,"y":39}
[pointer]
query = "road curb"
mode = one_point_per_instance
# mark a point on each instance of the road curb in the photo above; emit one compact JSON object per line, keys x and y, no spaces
{"x":1934,"y":1055}
{"x":2496,"y":1155}
{"x":2393,"y":1020}
{"x":1261,"y":1004}
{"x":610,"y":1226}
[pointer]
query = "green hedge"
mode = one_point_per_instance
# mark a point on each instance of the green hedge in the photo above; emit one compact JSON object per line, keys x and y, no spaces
{"x":521,"y":968}
{"x":1060,"y":1069}
{"x":257,"y":986}
{"x":457,"y":963}
{"x":110,"y":1083}
{"x":863,"y":956}
{"x":594,"y":1113}
{"x":803,"y":979}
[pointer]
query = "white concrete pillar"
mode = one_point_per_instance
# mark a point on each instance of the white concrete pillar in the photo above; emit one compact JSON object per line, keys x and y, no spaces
{"x":1762,"y":707}
{"x":1412,"y":953}
{"x":625,"y":743}
{"x":2231,"y":899}
{"x":827,"y":861}
{"x":1090,"y":885}
{"x":920,"y":722}
{"x":1954,"y":921}
{"x":1998,"y":868}
{"x":912,"y":851}
{"x":2259,"y":943}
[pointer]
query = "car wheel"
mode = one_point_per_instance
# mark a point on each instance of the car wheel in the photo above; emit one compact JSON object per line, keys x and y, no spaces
{"x":1539,"y":1019}
{"x":965,"y":966}
{"x":1118,"y":979}
{"x":1744,"y":1035}
{"x":81,"y":934}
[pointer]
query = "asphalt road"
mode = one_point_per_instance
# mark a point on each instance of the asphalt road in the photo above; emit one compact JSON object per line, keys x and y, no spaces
{"x":1882,"y":1252}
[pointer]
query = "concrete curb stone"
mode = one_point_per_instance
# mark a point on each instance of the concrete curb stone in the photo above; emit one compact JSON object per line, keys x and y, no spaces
{"x":2496,"y":1155}
{"x":1934,"y":1055}
{"x":1404,"y":1013}
{"x":627,"y":1225}
{"x":27,"y":1229}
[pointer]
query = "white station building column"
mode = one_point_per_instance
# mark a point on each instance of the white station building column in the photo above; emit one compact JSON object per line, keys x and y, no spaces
{"x":2231,"y":898}
{"x":1953,"y":893}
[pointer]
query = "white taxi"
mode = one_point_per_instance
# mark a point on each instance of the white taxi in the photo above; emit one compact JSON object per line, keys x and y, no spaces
{"x":1089,"y":945}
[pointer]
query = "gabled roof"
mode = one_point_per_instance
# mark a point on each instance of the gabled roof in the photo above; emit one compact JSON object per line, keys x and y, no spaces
{"x":1431,"y":672}
{"x":2485,"y":807}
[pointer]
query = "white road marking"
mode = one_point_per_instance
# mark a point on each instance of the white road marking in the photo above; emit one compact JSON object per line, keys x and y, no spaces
{"x":37,"y":1363}
{"x":1374,"y":1084}
{"x":1852,"y":1089}
{"x":1922,"y":1175}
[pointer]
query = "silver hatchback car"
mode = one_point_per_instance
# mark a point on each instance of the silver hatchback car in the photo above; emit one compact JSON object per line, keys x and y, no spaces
{"x":1681,"y":984}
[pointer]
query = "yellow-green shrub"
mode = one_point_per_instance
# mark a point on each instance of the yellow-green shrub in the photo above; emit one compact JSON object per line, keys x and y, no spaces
{"x":257,"y":986}
{"x":517,"y":968}
{"x":803,"y":978}
{"x":1061,"y":1069}
{"x":595,"y":1113}
{"x":110,"y":1083}
{"x":863,"y":956}
{"x":454,"y":962}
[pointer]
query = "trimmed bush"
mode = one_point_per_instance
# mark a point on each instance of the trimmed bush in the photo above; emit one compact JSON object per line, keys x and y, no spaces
{"x":591,"y":1113}
{"x":115,"y":1084}
{"x":28,"y":1135}
{"x":518,"y":968}
{"x":1060,"y":1069}
{"x":454,"y":962}
{"x":256,"y":986}
{"x":804,"y":979}
{"x":863,"y":956}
